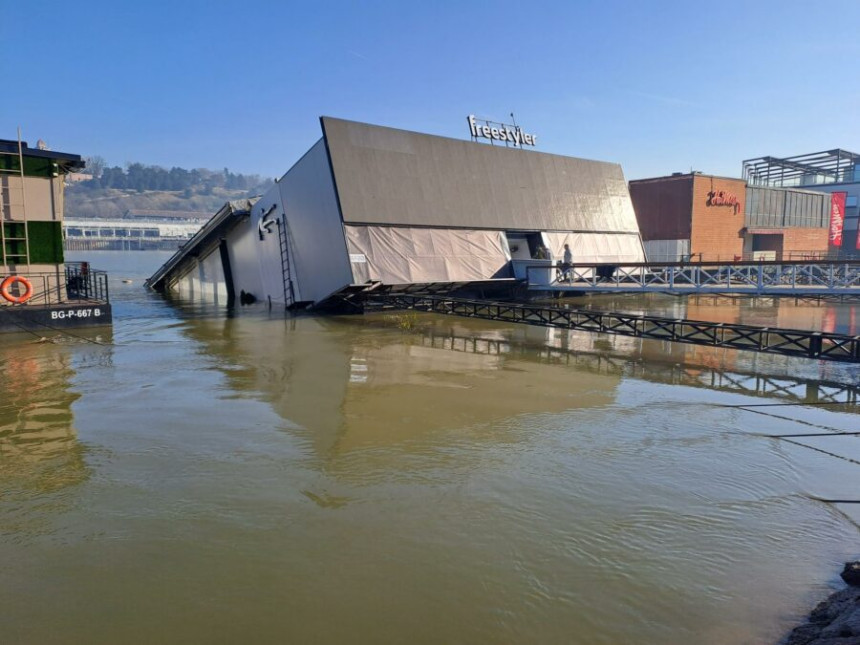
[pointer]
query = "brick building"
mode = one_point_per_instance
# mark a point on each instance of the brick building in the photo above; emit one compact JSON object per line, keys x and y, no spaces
{"x":708,"y":218}
{"x":834,"y":172}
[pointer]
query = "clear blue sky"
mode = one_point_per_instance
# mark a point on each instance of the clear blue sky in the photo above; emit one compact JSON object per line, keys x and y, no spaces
{"x":656,"y":86}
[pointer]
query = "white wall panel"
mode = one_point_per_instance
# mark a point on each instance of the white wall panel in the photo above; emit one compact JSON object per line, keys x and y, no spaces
{"x":597,"y":247}
{"x":667,"y":250}
{"x":242,"y":244}
{"x":320,"y":261}
{"x":266,"y":252}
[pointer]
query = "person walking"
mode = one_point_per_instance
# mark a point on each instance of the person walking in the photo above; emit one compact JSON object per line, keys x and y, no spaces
{"x":567,"y":263}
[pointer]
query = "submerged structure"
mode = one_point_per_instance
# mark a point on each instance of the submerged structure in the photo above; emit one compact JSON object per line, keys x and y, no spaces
{"x":370,"y":205}
{"x":39,"y":291}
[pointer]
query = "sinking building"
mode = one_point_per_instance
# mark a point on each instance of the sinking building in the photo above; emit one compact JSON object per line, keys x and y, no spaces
{"x":369,"y":204}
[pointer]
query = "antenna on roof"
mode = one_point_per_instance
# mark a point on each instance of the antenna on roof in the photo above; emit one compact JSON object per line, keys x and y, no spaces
{"x":516,"y":128}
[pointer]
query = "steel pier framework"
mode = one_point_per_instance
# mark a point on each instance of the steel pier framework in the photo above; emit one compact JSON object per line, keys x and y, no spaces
{"x":788,"y":342}
{"x":757,"y":278}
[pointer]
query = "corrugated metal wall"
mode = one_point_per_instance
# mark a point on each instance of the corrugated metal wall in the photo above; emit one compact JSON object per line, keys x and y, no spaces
{"x":780,"y":208}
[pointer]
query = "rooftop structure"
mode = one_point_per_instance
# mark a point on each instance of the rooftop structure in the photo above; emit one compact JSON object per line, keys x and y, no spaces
{"x":835,"y":172}
{"x":826,"y":167}
{"x":179,"y":216}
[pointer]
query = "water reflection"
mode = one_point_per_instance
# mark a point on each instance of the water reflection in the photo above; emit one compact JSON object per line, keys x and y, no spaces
{"x":536,"y":484}
{"x":361,"y":382}
{"x":39,"y":451}
{"x":832,"y":315}
{"x":375,"y":479}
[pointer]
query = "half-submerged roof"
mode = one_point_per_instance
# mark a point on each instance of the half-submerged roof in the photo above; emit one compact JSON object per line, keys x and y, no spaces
{"x":209,"y":233}
{"x":825,"y":167}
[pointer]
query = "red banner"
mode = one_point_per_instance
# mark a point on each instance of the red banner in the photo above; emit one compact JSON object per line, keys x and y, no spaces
{"x":837,"y":217}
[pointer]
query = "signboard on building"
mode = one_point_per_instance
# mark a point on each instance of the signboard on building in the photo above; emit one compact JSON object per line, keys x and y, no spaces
{"x":508,"y":134}
{"x":837,"y":217}
{"x":724,"y":198}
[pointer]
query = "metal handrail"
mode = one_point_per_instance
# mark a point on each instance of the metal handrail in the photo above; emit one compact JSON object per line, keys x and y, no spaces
{"x":836,"y":277}
{"x":78,"y":282}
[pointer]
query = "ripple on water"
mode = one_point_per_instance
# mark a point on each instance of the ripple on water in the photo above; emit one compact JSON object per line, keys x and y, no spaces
{"x":319,"y":480}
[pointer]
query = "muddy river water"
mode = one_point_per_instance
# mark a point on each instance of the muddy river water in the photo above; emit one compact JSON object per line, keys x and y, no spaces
{"x":196,"y":477}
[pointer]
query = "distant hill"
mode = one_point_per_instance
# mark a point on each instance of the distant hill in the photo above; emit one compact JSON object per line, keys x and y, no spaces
{"x":112,"y":192}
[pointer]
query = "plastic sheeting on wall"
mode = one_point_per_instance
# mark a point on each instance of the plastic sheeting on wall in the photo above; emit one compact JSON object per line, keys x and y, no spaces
{"x":404,"y":255}
{"x":667,"y":250}
{"x":596,"y":247}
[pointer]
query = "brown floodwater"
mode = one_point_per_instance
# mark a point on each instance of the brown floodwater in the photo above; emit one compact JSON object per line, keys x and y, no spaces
{"x":197,"y":477}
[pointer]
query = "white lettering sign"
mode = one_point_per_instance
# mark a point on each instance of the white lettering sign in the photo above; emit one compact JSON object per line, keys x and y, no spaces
{"x":68,"y":314}
{"x":507,"y":133}
{"x":358,"y":258}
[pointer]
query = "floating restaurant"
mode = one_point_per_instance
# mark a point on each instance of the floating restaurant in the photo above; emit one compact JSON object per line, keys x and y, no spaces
{"x":370,"y":205}
{"x":39,"y":291}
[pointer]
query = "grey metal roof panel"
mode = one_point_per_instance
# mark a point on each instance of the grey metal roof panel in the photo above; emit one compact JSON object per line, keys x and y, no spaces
{"x":395,"y":177}
{"x":229,"y":213}
{"x":66,"y":161}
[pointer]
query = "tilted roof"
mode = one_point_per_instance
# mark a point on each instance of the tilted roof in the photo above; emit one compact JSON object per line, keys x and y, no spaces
{"x":395,"y":177}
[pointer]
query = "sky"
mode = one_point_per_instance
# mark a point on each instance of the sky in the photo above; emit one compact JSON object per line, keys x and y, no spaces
{"x":657,"y":86}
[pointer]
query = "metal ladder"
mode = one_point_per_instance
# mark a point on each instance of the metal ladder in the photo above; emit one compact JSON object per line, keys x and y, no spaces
{"x":286,"y":269}
{"x":6,"y":209}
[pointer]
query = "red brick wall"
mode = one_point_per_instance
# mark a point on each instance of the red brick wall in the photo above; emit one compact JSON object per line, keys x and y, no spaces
{"x":716,"y":230}
{"x":662,"y":207}
{"x":798,"y":240}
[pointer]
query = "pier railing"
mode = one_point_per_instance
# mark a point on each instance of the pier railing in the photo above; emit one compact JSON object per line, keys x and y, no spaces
{"x":77,"y":282}
{"x":747,"y":277}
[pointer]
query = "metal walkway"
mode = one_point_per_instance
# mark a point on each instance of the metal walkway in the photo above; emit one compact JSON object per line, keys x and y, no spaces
{"x":788,"y":342}
{"x":759,"y":278}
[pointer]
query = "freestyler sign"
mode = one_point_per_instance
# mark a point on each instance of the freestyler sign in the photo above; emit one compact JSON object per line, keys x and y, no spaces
{"x":500,"y":132}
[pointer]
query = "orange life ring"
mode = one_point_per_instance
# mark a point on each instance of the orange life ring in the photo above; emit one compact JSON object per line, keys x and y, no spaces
{"x":7,"y":284}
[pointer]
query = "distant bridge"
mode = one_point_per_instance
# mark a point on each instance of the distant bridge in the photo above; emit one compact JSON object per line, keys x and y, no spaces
{"x":772,"y":278}
{"x":89,"y":234}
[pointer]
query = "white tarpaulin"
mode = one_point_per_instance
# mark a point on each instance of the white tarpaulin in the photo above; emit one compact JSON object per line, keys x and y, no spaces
{"x":590,"y":248}
{"x":404,"y":255}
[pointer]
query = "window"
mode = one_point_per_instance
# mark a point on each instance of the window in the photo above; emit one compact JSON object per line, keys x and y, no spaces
{"x":851,"y":201}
